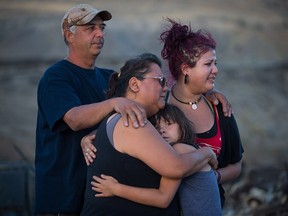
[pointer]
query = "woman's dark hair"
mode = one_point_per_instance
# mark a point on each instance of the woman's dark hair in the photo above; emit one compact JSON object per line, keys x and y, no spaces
{"x":182,"y":45}
{"x":135,"y":67}
{"x":171,"y":113}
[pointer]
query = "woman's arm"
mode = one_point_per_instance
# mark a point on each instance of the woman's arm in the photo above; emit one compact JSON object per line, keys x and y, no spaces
{"x":146,"y":144}
{"x":230,"y":172}
{"x":88,"y":149}
{"x":127,"y":109}
{"x":107,"y":186}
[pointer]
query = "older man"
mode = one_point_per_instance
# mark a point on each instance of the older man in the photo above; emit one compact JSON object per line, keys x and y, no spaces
{"x":71,"y":103}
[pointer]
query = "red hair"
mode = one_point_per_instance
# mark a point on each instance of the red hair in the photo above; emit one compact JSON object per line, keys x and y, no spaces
{"x":183,"y":45}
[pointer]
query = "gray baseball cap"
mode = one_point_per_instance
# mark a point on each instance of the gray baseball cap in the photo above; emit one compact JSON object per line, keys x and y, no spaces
{"x":82,"y":14}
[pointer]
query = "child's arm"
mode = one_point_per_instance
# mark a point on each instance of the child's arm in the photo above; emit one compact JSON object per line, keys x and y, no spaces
{"x":107,"y":186}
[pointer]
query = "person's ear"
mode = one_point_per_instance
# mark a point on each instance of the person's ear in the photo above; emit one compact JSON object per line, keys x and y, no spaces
{"x":69,"y":36}
{"x":184,"y":68}
{"x":134,"y":84}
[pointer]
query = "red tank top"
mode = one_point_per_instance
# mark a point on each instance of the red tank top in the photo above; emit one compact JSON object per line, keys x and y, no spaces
{"x":215,"y":142}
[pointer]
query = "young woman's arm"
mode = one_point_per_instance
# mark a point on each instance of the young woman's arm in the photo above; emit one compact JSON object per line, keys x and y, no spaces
{"x":230,"y":172}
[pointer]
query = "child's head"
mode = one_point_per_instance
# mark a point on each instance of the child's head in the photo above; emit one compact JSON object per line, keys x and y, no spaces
{"x":173,"y":125}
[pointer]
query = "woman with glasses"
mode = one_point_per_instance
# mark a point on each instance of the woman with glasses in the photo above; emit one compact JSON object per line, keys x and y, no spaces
{"x":198,"y":193}
{"x":138,"y":157}
{"x":191,"y":57}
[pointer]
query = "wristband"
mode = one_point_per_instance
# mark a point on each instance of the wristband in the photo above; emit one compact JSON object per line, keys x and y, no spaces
{"x":218,"y":176}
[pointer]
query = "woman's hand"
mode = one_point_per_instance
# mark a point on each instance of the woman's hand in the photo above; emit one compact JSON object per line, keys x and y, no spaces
{"x":88,"y":149}
{"x":105,"y":186}
{"x":127,"y":109}
{"x":213,"y":161}
{"x":215,"y":97}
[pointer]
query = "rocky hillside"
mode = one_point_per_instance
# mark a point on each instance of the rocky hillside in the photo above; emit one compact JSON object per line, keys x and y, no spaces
{"x":252,"y":57}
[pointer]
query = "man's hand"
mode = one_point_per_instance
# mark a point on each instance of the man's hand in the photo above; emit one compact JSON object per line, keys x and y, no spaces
{"x":88,"y":149}
{"x":215,"y":97}
{"x":132,"y":110}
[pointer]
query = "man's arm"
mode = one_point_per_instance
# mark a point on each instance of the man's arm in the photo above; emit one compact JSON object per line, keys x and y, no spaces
{"x":87,"y":116}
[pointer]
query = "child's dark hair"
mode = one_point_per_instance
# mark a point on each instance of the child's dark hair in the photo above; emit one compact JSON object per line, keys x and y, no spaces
{"x":173,"y":114}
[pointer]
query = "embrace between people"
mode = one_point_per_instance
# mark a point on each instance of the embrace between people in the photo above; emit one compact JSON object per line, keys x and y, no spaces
{"x":142,"y":172}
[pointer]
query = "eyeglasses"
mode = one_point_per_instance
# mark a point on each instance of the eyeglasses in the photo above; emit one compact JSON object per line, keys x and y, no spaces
{"x":161,"y":80}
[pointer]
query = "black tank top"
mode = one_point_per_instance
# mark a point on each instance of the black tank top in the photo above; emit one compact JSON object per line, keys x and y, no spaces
{"x":127,"y":170}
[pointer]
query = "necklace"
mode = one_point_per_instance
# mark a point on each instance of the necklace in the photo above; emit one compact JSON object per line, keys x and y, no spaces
{"x":193,"y":104}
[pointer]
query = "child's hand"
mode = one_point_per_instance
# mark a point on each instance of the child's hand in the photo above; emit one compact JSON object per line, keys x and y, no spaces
{"x":105,"y":186}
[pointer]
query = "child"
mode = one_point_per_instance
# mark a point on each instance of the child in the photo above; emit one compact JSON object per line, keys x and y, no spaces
{"x":198,"y":193}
